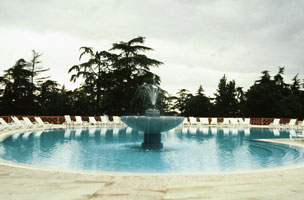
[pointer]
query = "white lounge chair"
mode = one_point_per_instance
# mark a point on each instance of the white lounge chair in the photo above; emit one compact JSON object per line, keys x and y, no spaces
{"x":21,"y":123}
{"x":80,"y":122}
{"x":117,"y":120}
{"x":292,"y":123}
{"x":6,"y":125}
{"x":92,"y":121}
{"x":186,"y":122}
{"x":193,"y":121}
{"x":233,"y":121}
{"x":247,"y":122}
{"x":29,"y":123}
{"x":240,"y":121}
{"x":105,"y":120}
{"x":213,"y":121}
{"x":225,"y":121}
{"x":204,"y":121}
{"x":42,"y":123}
{"x":275,"y":123}
{"x":68,"y":120}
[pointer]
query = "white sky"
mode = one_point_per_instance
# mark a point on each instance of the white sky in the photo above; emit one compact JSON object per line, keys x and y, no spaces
{"x":198,"y":40}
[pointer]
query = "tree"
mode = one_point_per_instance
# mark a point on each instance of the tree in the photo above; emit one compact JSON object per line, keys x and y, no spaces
{"x":131,"y":69}
{"x":94,"y":71}
{"x":198,"y":105}
{"x":226,"y":104}
{"x":181,"y":99}
{"x":36,"y":69}
{"x":17,"y":94}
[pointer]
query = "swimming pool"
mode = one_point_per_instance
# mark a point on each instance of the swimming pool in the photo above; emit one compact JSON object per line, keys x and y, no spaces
{"x":192,"y":150}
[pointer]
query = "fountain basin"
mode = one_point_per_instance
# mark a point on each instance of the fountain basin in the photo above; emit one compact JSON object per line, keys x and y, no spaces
{"x":151,"y":124}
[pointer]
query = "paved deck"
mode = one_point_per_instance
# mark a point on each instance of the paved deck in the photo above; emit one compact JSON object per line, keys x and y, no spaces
{"x":19,"y":181}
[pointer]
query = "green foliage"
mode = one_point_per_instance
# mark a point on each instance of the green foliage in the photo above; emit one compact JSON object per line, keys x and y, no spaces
{"x":110,"y":86}
{"x":226,"y":98}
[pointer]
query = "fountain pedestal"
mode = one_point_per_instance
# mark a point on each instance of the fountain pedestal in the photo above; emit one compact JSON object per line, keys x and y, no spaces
{"x":152,"y":141}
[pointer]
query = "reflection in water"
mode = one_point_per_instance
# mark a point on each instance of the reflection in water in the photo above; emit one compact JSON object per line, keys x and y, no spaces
{"x":187,"y":149}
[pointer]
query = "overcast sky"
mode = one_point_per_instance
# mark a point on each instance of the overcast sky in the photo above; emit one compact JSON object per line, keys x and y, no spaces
{"x":198,"y":40}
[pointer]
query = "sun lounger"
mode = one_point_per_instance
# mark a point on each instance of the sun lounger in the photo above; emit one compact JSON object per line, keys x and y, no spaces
{"x":42,"y":123}
{"x":292,"y":123}
{"x":233,"y":121}
{"x":117,"y":121}
{"x":92,"y":121}
{"x":204,"y":121}
{"x":6,"y":125}
{"x":193,"y":121}
{"x":21,"y":123}
{"x":213,"y":121}
{"x":28,"y":122}
{"x":68,"y":120}
{"x":80,"y":122}
{"x":225,"y":121}
{"x":240,"y":121}
{"x":275,"y":123}
{"x":247,"y":122}
{"x":186,"y":122}
{"x":105,"y":120}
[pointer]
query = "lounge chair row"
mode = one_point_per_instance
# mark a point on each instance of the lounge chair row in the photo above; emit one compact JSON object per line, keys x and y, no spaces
{"x":92,"y":121}
{"x":292,"y":123}
{"x":25,"y":123}
{"x":237,"y":121}
{"x":214,"y":121}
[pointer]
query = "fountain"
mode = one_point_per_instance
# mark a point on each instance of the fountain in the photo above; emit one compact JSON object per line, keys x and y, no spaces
{"x":152,"y":124}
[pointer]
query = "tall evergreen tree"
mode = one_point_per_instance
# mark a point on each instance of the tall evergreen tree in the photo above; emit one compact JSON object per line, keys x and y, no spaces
{"x":17,"y":95}
{"x":226,"y":104}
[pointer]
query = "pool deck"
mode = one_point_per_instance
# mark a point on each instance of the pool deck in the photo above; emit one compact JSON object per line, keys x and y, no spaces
{"x":20,"y":181}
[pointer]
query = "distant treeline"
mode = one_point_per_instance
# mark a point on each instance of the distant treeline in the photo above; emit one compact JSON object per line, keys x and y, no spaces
{"x":111,"y":82}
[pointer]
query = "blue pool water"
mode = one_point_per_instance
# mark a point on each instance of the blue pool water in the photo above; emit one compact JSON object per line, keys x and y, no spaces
{"x":185,"y":150}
